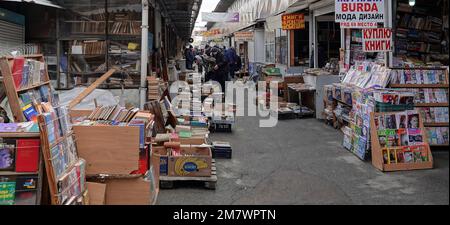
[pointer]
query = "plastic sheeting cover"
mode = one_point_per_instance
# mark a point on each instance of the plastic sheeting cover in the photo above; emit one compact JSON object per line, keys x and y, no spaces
{"x":103,"y":97}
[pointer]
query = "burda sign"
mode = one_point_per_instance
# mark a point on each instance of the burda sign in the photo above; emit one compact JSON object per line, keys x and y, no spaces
{"x":377,"y":40}
{"x":359,"y":13}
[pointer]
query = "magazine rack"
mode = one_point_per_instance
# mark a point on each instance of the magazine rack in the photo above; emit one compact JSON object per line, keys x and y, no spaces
{"x":377,"y":150}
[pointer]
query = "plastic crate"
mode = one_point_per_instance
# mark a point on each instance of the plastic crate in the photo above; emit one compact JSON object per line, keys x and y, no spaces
{"x":386,"y":107}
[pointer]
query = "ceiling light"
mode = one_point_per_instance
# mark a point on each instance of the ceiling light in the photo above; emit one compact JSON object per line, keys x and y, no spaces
{"x":412,"y":2}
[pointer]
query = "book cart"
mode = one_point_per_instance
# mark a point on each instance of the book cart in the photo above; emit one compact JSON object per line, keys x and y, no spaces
{"x":10,"y":78}
{"x":415,"y":78}
{"x":377,"y":150}
{"x":33,"y":180}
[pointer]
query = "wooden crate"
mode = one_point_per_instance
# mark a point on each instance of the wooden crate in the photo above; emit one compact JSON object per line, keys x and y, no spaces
{"x":377,"y":151}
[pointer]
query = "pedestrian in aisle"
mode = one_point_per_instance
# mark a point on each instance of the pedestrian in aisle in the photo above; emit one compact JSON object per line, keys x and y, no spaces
{"x":189,"y":54}
{"x":232,"y":62}
{"x":220,"y":69}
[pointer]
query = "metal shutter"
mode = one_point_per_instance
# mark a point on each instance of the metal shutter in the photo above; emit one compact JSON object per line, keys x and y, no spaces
{"x":11,"y":35}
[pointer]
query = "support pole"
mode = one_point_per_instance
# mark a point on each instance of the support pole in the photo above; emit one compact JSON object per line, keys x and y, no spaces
{"x":144,"y":54}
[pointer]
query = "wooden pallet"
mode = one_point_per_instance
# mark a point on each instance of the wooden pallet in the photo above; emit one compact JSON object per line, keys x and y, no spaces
{"x":167,"y":182}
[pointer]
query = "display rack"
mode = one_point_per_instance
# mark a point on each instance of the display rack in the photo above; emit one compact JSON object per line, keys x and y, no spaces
{"x":65,"y":171}
{"x":12,"y":92}
{"x":422,"y":83}
{"x":39,"y":173}
{"x":377,"y":150}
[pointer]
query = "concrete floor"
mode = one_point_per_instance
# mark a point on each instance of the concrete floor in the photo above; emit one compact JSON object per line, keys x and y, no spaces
{"x":303,"y":162}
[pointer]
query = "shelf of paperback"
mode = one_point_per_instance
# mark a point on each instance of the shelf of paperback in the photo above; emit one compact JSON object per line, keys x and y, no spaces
{"x":431,"y":85}
{"x":21,"y":165}
{"x":399,"y":142}
{"x":27,"y":84}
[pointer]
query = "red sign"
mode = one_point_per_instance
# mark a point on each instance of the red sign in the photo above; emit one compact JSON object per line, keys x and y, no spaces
{"x":377,"y":40}
{"x":293,"y":21}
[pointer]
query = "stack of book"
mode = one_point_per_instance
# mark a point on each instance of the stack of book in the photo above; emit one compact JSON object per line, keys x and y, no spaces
{"x":416,"y":76}
{"x":90,"y":47}
{"x":153,"y":88}
{"x":18,"y":190}
{"x":113,"y":113}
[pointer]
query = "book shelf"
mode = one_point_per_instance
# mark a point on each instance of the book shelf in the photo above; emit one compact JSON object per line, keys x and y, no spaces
{"x":14,"y":93}
{"x":13,"y":176}
{"x":420,"y":31}
{"x":379,"y":160}
{"x":431,"y":79}
{"x":105,"y":34}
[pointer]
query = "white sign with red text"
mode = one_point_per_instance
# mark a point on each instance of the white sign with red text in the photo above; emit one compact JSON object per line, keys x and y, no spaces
{"x":377,"y":40}
{"x":359,"y":13}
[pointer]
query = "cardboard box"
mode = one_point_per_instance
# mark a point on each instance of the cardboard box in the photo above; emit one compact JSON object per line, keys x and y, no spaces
{"x":129,"y":191}
{"x":184,"y":166}
{"x":108,"y":149}
{"x":97,"y":193}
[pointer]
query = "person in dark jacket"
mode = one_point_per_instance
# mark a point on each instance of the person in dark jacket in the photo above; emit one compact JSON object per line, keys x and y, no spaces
{"x":232,"y":58}
{"x":189,"y":54}
{"x":221,"y":68}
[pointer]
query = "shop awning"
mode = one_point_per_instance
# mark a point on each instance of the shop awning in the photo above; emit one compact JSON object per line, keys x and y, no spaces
{"x":274,"y":22}
{"x":38,"y":2}
{"x":300,"y":5}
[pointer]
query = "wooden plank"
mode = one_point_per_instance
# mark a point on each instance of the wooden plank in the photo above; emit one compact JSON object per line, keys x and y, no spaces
{"x":9,"y":86}
{"x":108,"y":149}
{"x":212,"y":178}
{"x":46,"y":152}
{"x":419,"y":86}
{"x":19,"y":135}
{"x":431,"y":104}
{"x":33,"y":86}
{"x":91,"y":88}
{"x":8,"y":173}
{"x":435,"y":124}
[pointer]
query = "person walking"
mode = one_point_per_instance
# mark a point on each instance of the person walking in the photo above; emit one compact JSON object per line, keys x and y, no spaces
{"x":189,"y":54}
{"x":220,"y":69}
{"x":232,"y":62}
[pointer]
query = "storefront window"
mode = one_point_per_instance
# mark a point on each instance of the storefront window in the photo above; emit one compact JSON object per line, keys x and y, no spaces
{"x":281,"y":47}
{"x":329,"y":41}
{"x":301,"y":46}
{"x":270,"y":46}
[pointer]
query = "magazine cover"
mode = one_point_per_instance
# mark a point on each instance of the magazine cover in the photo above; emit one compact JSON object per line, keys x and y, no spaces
{"x":7,"y":157}
{"x":401,"y":119}
{"x":400,"y":156}
{"x":413,"y":120}
{"x":408,"y":155}
{"x":403,"y":137}
{"x":415,"y":136}
{"x":390,"y":122}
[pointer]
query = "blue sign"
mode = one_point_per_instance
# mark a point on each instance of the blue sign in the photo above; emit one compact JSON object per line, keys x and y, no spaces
{"x":190,"y":167}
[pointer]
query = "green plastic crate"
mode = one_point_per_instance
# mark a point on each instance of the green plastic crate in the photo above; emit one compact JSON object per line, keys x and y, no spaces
{"x":386,"y":107}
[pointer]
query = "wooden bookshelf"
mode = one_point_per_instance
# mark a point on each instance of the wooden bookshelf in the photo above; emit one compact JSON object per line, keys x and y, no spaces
{"x":39,"y":173}
{"x":431,"y":104}
{"x":9,"y":85}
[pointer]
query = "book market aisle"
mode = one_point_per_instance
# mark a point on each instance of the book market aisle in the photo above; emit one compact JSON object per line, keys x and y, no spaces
{"x":303,"y":162}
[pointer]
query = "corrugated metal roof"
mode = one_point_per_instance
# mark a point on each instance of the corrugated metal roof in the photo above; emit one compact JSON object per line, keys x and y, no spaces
{"x":222,"y":6}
